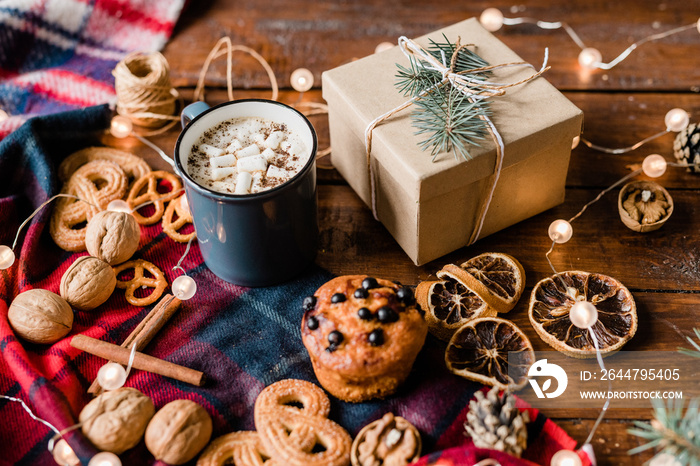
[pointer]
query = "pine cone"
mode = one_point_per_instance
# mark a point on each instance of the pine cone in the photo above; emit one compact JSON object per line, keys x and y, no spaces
{"x":686,"y":147}
{"x":494,"y":422}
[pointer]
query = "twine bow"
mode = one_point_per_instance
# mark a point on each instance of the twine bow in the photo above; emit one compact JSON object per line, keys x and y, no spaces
{"x":471,"y":87}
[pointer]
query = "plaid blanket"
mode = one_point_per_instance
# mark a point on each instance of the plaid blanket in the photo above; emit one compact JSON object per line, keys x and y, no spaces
{"x":57,"y":55}
{"x":243,"y":339}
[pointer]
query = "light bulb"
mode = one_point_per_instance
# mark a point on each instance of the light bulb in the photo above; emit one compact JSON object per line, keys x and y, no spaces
{"x":7,"y":257}
{"x":184,"y":287}
{"x":583,"y":314}
{"x":565,"y":458}
{"x":676,"y":119}
{"x":383,"y":46}
{"x":111,"y":376}
{"x":120,"y":127}
{"x":560,"y":231}
{"x":698,"y":24}
{"x":590,"y":58}
{"x":105,"y":458}
{"x":302,"y":79}
{"x":64,"y":455}
{"x":574,"y":143}
{"x":3,"y":115}
{"x":118,"y":205}
{"x":654,"y":166}
{"x":491,"y":19}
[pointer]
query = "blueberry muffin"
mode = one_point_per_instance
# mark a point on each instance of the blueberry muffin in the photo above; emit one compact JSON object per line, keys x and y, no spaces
{"x":363,"y":335}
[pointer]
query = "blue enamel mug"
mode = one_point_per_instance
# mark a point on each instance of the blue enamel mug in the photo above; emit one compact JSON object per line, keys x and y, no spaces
{"x":257,"y":239}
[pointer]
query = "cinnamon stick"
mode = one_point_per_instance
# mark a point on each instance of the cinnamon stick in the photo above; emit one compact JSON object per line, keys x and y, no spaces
{"x":147,"y":329}
{"x":142,"y":361}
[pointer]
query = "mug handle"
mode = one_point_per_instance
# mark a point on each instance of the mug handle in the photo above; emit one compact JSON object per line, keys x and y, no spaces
{"x":191,"y":111}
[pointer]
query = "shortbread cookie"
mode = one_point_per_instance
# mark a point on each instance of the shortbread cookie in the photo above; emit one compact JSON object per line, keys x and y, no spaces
{"x":289,"y":434}
{"x":238,"y":449}
{"x":134,"y":167}
{"x":97,"y":183}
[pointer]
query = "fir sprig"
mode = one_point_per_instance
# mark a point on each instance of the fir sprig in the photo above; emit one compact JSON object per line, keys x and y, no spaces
{"x":449,"y":119}
{"x":672,"y":431}
{"x":690,"y":352}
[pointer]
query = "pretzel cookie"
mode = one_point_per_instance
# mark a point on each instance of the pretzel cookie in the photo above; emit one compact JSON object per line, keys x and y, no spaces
{"x":237,"y":449}
{"x":134,"y":167}
{"x":289,"y":434}
{"x":158,"y":282}
{"x":184,"y":217}
{"x":145,"y":189}
{"x":97,"y":183}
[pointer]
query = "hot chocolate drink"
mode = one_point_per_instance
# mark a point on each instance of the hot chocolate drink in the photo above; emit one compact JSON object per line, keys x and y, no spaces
{"x":246,"y":155}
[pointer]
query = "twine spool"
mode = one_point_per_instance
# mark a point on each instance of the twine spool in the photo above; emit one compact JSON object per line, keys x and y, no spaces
{"x":144,"y":92}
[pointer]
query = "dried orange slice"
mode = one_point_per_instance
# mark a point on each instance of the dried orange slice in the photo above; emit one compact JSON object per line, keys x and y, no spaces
{"x":497,"y":278}
{"x":449,"y":304}
{"x":551,"y":302}
{"x":481,"y":351}
{"x":481,"y":287}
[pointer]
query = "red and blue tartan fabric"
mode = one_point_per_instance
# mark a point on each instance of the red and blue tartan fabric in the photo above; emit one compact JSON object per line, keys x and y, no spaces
{"x":58,"y":55}
{"x":242,"y":339}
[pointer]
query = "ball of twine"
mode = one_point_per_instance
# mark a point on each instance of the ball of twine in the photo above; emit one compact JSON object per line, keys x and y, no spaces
{"x":144,"y":92}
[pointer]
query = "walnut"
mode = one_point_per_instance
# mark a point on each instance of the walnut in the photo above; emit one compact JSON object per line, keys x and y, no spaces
{"x":112,"y":236}
{"x":389,"y":441}
{"x":115,"y":421}
{"x":644,"y":205}
{"x":179,"y":431}
{"x":40,"y":316}
{"x":88,"y":283}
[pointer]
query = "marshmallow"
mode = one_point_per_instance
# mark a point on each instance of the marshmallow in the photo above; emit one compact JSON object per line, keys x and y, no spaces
{"x":228,"y":160}
{"x":296,"y":149}
{"x":270,"y":155}
{"x":274,"y":139}
{"x":243,"y":182}
{"x":234,"y":146}
{"x":257,"y":182}
{"x":252,"y":164}
{"x":252,"y":149}
{"x":259,"y":139}
{"x":276,"y":172}
{"x":221,"y":173}
{"x":211,"y":151}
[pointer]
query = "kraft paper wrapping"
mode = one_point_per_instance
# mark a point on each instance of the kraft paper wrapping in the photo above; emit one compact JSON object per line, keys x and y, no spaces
{"x":431,"y":207}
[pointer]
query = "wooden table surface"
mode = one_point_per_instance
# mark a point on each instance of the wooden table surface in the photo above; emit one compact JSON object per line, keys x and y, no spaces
{"x":621,"y":106}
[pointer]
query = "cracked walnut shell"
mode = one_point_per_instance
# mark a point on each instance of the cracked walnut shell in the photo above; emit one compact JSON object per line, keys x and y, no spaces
{"x":389,"y":441}
{"x":112,"y":236}
{"x":179,"y":431}
{"x":40,"y":316}
{"x":88,"y":283}
{"x":116,"y":420}
{"x":644,"y":206}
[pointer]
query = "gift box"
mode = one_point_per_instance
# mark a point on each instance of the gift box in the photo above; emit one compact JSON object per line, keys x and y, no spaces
{"x":433,"y":207}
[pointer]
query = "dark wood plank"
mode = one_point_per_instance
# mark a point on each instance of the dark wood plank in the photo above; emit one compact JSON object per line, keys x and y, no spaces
{"x":353,"y":242}
{"x":290,"y":37}
{"x":611,"y":442}
{"x":617,"y":120}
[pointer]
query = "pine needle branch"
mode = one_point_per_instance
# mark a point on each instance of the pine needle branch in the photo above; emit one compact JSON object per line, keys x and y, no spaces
{"x":690,"y":352}
{"x":450,"y":120}
{"x":672,"y":431}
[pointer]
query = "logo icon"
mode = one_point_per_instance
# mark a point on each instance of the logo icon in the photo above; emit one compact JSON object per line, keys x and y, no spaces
{"x":544,"y":369}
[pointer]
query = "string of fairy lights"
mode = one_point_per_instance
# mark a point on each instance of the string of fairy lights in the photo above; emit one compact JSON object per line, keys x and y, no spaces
{"x":583,"y":314}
